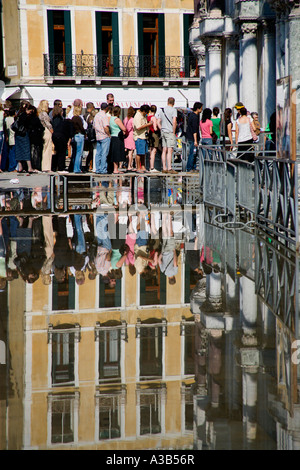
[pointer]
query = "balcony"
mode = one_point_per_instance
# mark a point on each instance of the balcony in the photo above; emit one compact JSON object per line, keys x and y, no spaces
{"x":121,"y":68}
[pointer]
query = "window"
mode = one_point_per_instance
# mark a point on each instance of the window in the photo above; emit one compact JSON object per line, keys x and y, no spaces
{"x":107,"y":33}
{"x":109,"y":292}
{"x":187,"y":329}
{"x":110,"y":336}
{"x":62,"y":340}
{"x":153,"y":288}
{"x":110,"y":402}
{"x":150,"y":401}
{"x":59,"y":39}
{"x":190,"y":65}
{"x":151,"y":44}
{"x":63,"y":293}
{"x":187,"y":397}
{"x":63,"y":410}
{"x":150,"y":334}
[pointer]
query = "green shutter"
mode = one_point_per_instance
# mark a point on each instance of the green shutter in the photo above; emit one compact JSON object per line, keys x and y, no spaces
{"x":54,"y":294}
{"x":99,"y":43}
{"x":163,"y":289}
{"x":51,"y":42}
{"x":161,"y":44}
{"x":186,"y":48}
{"x":115,"y":37}
{"x":68,"y":42}
{"x":71,"y":299}
{"x":140,"y":25}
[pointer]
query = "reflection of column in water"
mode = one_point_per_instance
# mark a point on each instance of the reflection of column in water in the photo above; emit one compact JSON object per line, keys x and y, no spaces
{"x":215,"y":366}
{"x":248,"y":312}
{"x":214,"y":287}
{"x":250,"y":404}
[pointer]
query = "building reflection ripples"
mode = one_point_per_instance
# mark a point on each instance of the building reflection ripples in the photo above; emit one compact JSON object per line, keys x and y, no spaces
{"x":129,"y":321}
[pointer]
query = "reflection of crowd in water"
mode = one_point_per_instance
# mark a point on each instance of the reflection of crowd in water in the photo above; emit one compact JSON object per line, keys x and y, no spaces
{"x":87,"y":245}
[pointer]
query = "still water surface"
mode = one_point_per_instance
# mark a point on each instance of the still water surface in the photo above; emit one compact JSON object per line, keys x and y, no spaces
{"x":129,"y":321}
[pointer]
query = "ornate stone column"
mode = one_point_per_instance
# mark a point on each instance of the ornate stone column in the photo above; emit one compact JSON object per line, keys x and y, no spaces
{"x":268,"y":102}
{"x":232,"y":71}
{"x":248,"y":66}
{"x":213,"y":72}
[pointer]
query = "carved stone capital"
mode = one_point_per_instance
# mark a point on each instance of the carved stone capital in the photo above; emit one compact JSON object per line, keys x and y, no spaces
{"x":284,"y":7}
{"x":212,"y":44}
{"x":249,"y":29}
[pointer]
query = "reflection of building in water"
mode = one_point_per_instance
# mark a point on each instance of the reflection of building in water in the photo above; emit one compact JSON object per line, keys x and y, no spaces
{"x":243,"y":399}
{"x":104,"y":365}
{"x":138,"y":362}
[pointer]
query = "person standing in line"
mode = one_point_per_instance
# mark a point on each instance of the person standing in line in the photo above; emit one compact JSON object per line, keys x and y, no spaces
{"x":10,"y":137}
{"x":22,"y":141}
{"x":192,"y":134}
{"x":206,"y":127}
{"x":79,"y":133}
{"x":129,"y":141}
{"x":101,"y":126}
{"x":110,"y":99}
{"x":153,"y":138}
{"x":44,"y":117}
{"x":167,"y":122}
{"x":243,"y":136}
{"x":140,"y":127}
{"x":62,"y":135}
{"x":228,"y":129}
{"x":216,"y":123}
{"x":36,"y":136}
{"x":117,"y":132}
{"x":255,"y":123}
{"x":91,"y":136}
{"x":55,"y":104}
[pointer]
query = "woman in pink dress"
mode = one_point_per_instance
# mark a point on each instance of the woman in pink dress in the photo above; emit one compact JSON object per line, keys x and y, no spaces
{"x":129,"y":142}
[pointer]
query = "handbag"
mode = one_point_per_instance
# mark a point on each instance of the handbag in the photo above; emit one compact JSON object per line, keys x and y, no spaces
{"x":19,"y":129}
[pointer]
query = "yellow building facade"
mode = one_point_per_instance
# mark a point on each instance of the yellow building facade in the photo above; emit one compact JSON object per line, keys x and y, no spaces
{"x":92,"y":377}
{"x":82,"y":48}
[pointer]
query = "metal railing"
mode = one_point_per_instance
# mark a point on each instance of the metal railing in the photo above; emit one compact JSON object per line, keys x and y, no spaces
{"x":264,"y":189}
{"x":122,"y":66}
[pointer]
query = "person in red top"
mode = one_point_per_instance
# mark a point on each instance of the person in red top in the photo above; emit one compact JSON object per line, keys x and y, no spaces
{"x":206,"y":127}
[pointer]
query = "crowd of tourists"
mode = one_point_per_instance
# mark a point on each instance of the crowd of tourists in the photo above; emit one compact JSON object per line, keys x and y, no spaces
{"x":42,"y":140}
{"x":55,"y":247}
{"x":208,"y":127}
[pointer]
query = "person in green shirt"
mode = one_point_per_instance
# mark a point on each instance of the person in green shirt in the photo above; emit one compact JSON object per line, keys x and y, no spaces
{"x":216,"y":122}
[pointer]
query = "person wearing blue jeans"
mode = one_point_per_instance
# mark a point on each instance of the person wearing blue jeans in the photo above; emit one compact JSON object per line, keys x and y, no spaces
{"x":79,"y":133}
{"x":80,"y":245}
{"x":192,"y":135}
{"x":101,"y":155}
{"x":79,"y":140}
{"x":103,"y":237}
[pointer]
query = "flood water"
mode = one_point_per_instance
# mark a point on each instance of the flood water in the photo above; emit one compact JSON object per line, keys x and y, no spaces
{"x":131,"y":321}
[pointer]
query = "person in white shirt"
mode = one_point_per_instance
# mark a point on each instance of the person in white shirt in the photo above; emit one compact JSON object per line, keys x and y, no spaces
{"x":10,"y":136}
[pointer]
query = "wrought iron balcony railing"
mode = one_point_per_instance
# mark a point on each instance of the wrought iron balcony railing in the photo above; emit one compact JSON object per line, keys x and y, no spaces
{"x":91,"y":66}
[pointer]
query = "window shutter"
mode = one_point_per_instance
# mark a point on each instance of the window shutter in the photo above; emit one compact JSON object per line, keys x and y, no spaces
{"x":186,"y":48}
{"x":161,"y":44}
{"x":140,"y":43}
{"x":98,"y":20}
{"x":68,"y":42}
{"x":51,"y":41}
{"x":115,"y":36}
